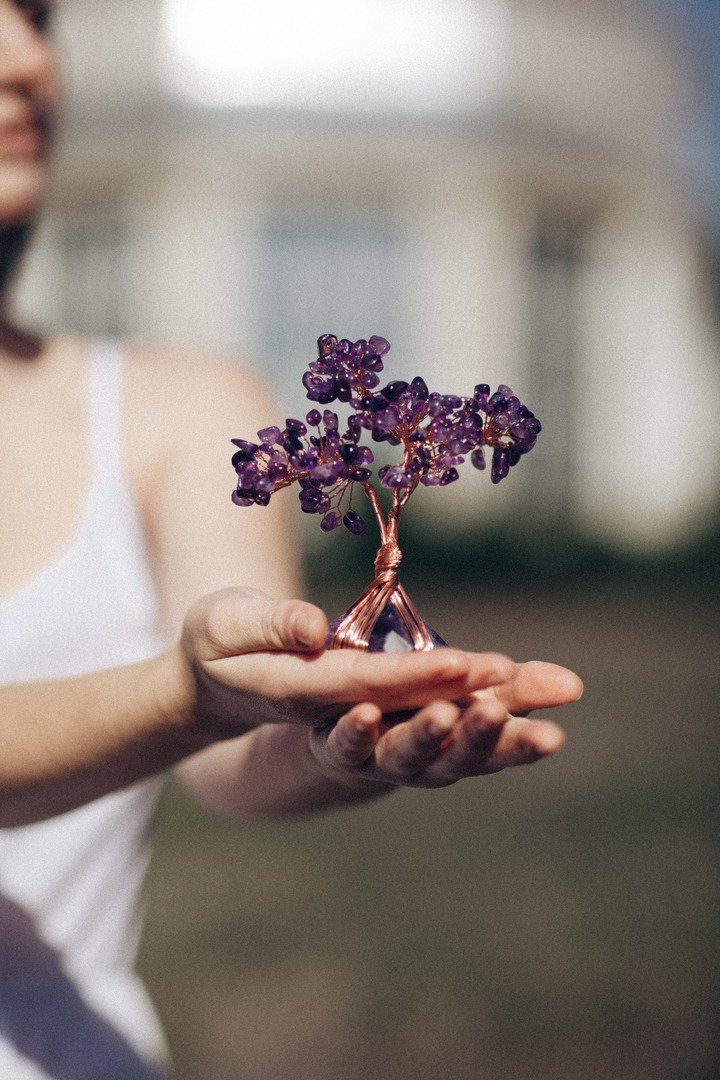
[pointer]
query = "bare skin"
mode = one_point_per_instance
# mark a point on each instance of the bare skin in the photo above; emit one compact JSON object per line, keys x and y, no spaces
{"x":262,"y":721}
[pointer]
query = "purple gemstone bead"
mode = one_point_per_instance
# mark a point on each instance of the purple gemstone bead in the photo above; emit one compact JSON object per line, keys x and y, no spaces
{"x":395,"y":477}
{"x":393,"y":390}
{"x":326,"y":344}
{"x":478,"y":458}
{"x":310,"y":498}
{"x":326,"y":473}
{"x":500,"y":464}
{"x":431,"y":479}
{"x":331,"y":521}
{"x":372,"y":363}
{"x":379,"y":345}
{"x":387,"y":419}
{"x":244,"y":447}
{"x":449,"y":477}
{"x":418,"y":388}
{"x":354,"y":523}
{"x":269,"y":435}
{"x":277,"y":470}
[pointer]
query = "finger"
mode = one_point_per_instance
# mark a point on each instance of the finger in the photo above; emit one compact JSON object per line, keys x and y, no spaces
{"x":524,"y":741}
{"x":410,"y":746}
{"x":537,"y":685}
{"x":237,"y":621}
{"x":393,"y":681}
{"x":474,"y":741}
{"x":351,"y":741}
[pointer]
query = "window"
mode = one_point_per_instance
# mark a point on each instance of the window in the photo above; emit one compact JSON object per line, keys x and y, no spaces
{"x":321,"y":273}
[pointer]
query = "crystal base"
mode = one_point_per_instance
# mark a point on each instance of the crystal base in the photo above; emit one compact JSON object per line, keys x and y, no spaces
{"x":390,"y":633}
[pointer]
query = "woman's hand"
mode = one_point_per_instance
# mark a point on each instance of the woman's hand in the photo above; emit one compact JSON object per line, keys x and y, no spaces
{"x":247,"y":661}
{"x":444,"y":742}
{"x":330,"y":728}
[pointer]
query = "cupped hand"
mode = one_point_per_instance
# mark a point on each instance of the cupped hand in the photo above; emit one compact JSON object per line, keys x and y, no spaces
{"x":253,"y":661}
{"x":445,"y":741}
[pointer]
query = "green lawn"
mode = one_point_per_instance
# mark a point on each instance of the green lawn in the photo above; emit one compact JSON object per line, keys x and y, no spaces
{"x":552,"y":923}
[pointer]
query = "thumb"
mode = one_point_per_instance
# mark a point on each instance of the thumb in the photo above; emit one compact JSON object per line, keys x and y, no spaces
{"x":237,"y":621}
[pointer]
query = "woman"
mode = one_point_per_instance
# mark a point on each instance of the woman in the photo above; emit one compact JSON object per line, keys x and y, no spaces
{"x":116,"y":520}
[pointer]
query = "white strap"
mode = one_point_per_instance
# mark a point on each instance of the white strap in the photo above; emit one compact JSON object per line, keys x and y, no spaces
{"x":105,"y":413}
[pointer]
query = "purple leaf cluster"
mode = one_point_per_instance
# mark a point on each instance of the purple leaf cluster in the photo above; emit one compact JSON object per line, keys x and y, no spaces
{"x":436,"y":431}
{"x":323,"y":461}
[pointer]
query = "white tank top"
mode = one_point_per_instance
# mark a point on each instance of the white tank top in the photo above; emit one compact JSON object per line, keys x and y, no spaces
{"x":71,"y":1007}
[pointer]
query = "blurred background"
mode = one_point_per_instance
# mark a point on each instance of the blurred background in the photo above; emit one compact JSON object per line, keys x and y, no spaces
{"x":520,"y":191}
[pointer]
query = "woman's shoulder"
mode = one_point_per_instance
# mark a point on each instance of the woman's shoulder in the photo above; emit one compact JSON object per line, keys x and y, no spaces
{"x":188,"y":379}
{"x":169,"y":381}
{"x":174,"y":390}
{"x":177,"y":400}
{"x":159,"y":384}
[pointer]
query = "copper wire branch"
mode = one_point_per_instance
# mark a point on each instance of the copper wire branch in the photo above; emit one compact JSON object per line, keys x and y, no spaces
{"x":356,"y":627}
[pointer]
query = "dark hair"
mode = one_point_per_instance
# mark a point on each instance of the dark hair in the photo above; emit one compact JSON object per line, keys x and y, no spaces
{"x":38,"y":11}
{"x":13,"y":241}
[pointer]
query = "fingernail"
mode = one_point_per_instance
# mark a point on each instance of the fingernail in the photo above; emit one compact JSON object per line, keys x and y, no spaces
{"x":440,"y":726}
{"x":305,"y":632}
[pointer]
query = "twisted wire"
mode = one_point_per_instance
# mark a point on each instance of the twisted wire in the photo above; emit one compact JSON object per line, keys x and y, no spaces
{"x":355,"y":629}
{"x":387,"y":562}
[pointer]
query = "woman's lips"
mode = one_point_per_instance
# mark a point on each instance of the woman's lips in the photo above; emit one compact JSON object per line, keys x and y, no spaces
{"x":21,"y":141}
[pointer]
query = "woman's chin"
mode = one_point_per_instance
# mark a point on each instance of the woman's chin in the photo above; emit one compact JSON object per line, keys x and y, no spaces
{"x":22,"y":187}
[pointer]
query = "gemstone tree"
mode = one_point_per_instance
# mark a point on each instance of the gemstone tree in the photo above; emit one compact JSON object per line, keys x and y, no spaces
{"x":435,"y":433}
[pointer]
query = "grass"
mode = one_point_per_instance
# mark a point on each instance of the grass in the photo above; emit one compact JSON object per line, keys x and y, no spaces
{"x":547,"y":923}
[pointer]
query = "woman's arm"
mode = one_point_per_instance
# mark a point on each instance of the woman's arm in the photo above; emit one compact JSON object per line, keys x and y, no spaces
{"x":241,"y":662}
{"x":66,"y":742}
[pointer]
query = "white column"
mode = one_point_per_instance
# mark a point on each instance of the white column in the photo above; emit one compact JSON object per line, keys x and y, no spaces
{"x":466,"y":298}
{"x":648,"y":416}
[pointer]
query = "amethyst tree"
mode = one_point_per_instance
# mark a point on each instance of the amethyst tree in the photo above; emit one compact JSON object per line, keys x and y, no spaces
{"x":434,"y":433}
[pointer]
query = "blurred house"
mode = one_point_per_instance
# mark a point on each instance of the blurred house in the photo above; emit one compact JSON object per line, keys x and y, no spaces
{"x":503,"y":188}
